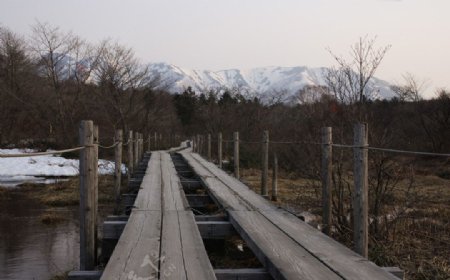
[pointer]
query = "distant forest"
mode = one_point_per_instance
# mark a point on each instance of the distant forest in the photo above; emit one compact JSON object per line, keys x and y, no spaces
{"x":52,"y":80}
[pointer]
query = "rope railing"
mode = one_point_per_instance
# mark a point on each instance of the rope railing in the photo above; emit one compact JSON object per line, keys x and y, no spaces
{"x":110,"y":146}
{"x":42,"y":153}
{"x":343,"y":146}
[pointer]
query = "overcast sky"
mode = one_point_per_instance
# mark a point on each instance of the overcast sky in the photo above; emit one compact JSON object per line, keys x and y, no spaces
{"x":223,"y":34}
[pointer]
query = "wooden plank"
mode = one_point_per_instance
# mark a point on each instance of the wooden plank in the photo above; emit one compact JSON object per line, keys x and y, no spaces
{"x":149,"y":197}
{"x":206,"y":218}
{"x":215,"y":229}
{"x":350,"y":264}
{"x":283,"y":257}
{"x":113,"y":229}
{"x":198,"y":200}
{"x":339,"y":258}
{"x":242,"y":274}
{"x":396,"y":271}
{"x":85,"y":275}
{"x":173,"y":195}
{"x":196,"y":259}
{"x":172,"y":262}
{"x":246,"y":195}
{"x":221,"y":192}
{"x":137,"y":252}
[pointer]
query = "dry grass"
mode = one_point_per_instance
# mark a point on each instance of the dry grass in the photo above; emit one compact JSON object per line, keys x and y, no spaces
{"x":52,"y":218}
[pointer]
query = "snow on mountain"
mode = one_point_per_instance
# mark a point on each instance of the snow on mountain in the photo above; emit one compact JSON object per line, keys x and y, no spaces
{"x":263,"y":81}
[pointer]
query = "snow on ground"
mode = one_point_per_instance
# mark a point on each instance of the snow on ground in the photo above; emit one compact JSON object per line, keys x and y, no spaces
{"x":13,"y":170}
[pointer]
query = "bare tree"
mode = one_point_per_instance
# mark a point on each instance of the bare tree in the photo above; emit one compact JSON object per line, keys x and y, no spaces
{"x":349,"y":81}
{"x":119,"y":75}
{"x":52,"y":49}
{"x":411,"y":89}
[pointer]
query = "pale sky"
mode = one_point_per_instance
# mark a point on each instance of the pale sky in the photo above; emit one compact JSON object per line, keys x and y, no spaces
{"x":224,"y":34}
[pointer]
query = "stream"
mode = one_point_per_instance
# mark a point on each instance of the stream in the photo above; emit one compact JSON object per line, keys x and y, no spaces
{"x":30,"y":249}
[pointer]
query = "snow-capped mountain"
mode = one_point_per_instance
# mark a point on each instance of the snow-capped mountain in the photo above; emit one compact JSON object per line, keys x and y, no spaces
{"x":263,"y":82}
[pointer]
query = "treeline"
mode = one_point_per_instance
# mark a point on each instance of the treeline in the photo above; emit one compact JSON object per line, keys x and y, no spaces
{"x":421,"y":125}
{"x":52,"y":80}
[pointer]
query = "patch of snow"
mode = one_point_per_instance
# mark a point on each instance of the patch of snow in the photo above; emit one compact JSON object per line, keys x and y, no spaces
{"x":28,"y":168}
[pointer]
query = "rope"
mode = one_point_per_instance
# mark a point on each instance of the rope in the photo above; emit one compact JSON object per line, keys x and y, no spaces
{"x":392,"y":150}
{"x":408,"y":152}
{"x":41,"y":153}
{"x":109,"y":147}
{"x":295,"y":142}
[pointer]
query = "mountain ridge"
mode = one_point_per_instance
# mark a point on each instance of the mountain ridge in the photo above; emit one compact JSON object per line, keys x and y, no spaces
{"x":260,"y":81}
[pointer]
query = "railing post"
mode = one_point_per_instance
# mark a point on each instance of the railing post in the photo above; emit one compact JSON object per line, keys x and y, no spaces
{"x":209,"y":146}
{"x":141,"y":146}
{"x":327,"y":169}
{"x":265,"y":163}
{"x":219,"y":149}
{"x":275,"y":178}
{"x":136,"y":150}
{"x":117,"y":167}
{"x":236,"y":154}
{"x":149,"y":144}
{"x":130,"y":154}
{"x":360,"y":193}
{"x":96,"y":142}
{"x":88,"y":171}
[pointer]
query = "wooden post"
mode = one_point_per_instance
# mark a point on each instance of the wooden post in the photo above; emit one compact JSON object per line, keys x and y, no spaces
{"x":275,"y":178}
{"x":236,"y":154}
{"x":265,"y":163}
{"x":219,"y":149}
{"x":327,"y":169}
{"x":130,"y":154}
{"x":88,"y":172}
{"x":209,"y":147}
{"x":156,"y":141}
{"x":360,"y":193}
{"x":95,"y":211}
{"x":117,"y":167}
{"x":136,"y":150}
{"x":149,"y":144}
{"x":141,"y":146}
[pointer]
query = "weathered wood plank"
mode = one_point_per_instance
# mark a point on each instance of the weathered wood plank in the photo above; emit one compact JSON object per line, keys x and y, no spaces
{"x":215,"y":229}
{"x":221,"y":192}
{"x":137,"y":252}
{"x":149,"y":197}
{"x":332,"y":253}
{"x":242,"y":274}
{"x":347,"y":263}
{"x":85,"y":275}
{"x":173,"y":195}
{"x":172,"y":261}
{"x":283,"y":257}
{"x":198,"y":200}
{"x":113,"y":229}
{"x":396,"y":271}
{"x":209,"y":170}
{"x":196,"y":260}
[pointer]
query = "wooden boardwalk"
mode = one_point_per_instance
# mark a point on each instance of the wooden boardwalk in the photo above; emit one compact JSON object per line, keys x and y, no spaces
{"x":163,"y":238}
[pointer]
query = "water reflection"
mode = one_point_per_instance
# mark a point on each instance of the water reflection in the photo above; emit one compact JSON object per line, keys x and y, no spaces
{"x":31,"y":250}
